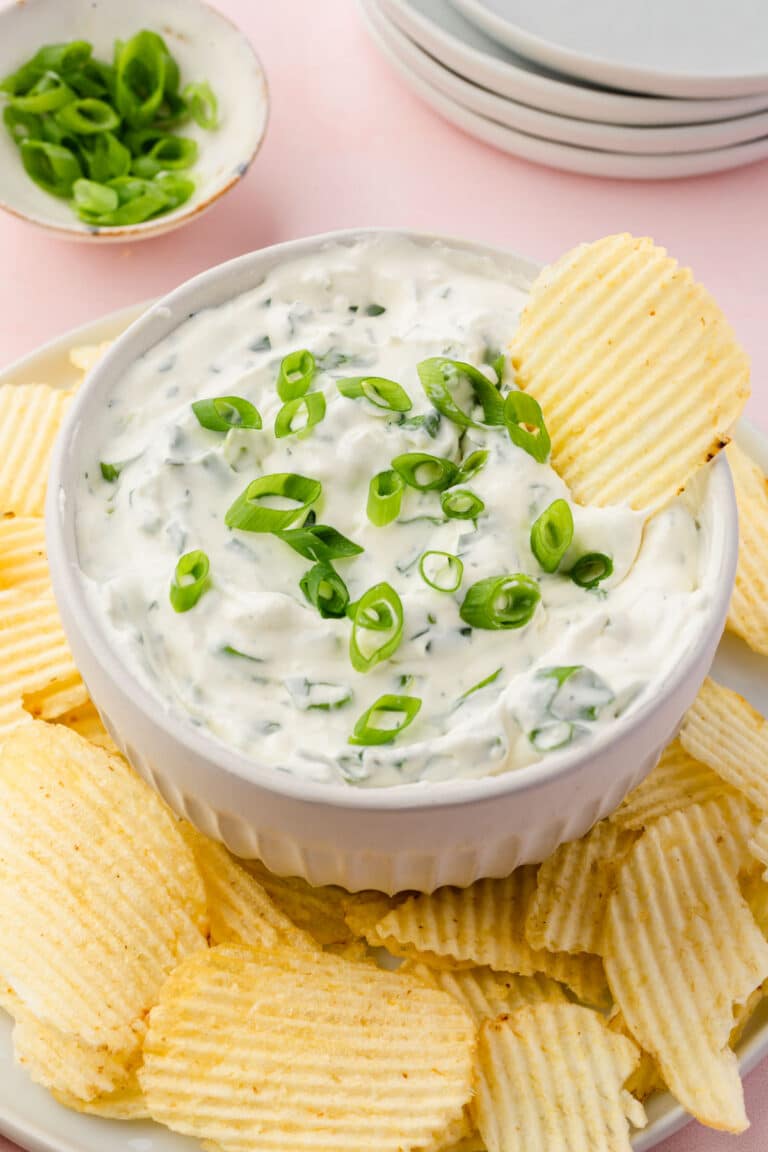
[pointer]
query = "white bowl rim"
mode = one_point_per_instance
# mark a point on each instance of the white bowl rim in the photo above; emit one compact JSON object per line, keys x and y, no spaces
{"x":184,"y":214}
{"x":426,"y":795}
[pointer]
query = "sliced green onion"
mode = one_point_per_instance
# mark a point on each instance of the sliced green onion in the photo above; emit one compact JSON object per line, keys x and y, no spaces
{"x":318,"y":694}
{"x":441,"y":570}
{"x":93,"y":78}
{"x":168,"y":154}
{"x":54,"y":168}
{"x":385,"y":497}
{"x":176,"y":189}
{"x":203,"y":105}
{"x":22,"y":125}
{"x":580,"y":694}
{"x":140,"y":64}
{"x":424,"y":472}
{"x":250,"y":515}
{"x":551,"y":535}
{"x":300,"y":415}
{"x":375,"y":617}
{"x":297,"y":371}
{"x":50,"y":58}
{"x":93,"y":197}
{"x":482,"y":684}
{"x":48,"y":95}
{"x":380,"y":602}
{"x":374,"y":310}
{"x":501,"y":602}
{"x":138,"y":200}
{"x":461,"y":504}
{"x":382,"y":393}
{"x":473,"y":464}
{"x":380,"y":723}
{"x":429,"y":422}
{"x":222,"y":413}
{"x":552,"y":736}
{"x":590,"y":569}
{"x":325,"y":590}
{"x":87,"y":116}
{"x":499,"y":366}
{"x":105,"y":157}
{"x":525,"y":425}
{"x":320,"y":542}
{"x":190,"y":580}
{"x":110,"y":472}
{"x":440,"y":376}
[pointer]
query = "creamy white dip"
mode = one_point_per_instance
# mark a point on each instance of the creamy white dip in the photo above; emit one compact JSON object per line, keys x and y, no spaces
{"x":251,"y":658}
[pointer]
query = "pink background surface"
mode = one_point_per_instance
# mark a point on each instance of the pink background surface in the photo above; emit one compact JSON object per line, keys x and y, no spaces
{"x":349,"y":145}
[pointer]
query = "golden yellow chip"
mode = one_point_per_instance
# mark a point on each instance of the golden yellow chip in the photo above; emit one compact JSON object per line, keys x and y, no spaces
{"x":681,"y":949}
{"x":572,"y":890}
{"x":319,"y":911}
{"x":86,"y":356}
{"x":66,"y":1064}
{"x":636,"y":369}
{"x":37,"y":673}
{"x":748,"y":613}
{"x":256,"y":1050}
{"x":758,"y":845}
{"x":30,"y":415}
{"x":676,"y":782}
{"x":727,"y":734}
{"x":646,"y":1078}
{"x":23,"y":561}
{"x":551,"y":1079}
{"x":86,"y":721}
{"x":239,"y":909}
{"x":126,"y":1103}
{"x":485,"y":994}
{"x":472,"y":1143}
{"x":99,"y":895}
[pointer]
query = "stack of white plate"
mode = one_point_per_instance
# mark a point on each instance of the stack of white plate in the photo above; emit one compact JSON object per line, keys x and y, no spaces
{"x":651,"y":90}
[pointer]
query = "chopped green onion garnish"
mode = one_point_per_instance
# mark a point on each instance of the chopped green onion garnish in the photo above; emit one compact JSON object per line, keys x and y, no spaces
{"x":141,"y":65}
{"x":552,"y":736}
{"x":87,"y":117}
{"x":93,"y":197}
{"x":110,"y":472}
{"x":325,"y":589}
{"x":222,"y":413}
{"x":202,"y":104}
{"x":590,"y":569}
{"x":375,"y":617}
{"x":482,"y":684}
{"x":501,"y":602}
{"x":424,"y":472}
{"x":382,"y":393}
{"x":300,"y":415}
{"x":461,"y":504}
{"x":297,"y":371}
{"x":47,"y":95}
{"x":525,"y":424}
{"x":473,"y":464}
{"x":52,"y":166}
{"x":385,"y":497}
{"x":440,"y":376}
{"x":190,"y":580}
{"x":249,"y":514}
{"x":499,"y":366}
{"x":551,"y":535}
{"x":167,"y":154}
{"x":374,"y":310}
{"x":441,"y":570}
{"x":579,"y":693}
{"x":320,"y":542}
{"x":380,"y":603}
{"x":380,"y":723}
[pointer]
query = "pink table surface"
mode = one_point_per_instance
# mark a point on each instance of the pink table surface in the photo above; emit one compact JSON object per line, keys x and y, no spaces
{"x":349,"y":145}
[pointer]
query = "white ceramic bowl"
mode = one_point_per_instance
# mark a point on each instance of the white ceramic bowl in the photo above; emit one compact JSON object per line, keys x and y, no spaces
{"x":207,"y":47}
{"x":411,"y":836}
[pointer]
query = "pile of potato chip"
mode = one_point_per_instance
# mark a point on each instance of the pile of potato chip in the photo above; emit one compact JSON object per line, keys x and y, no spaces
{"x":151,"y":974}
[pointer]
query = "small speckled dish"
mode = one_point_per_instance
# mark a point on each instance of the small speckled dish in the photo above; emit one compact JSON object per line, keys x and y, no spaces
{"x":207,"y":47}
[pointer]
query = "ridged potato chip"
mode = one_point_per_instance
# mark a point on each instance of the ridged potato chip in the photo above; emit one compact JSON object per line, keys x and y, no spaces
{"x":485,"y":994}
{"x":30,"y":415}
{"x":66,"y":1064}
{"x":681,"y":949}
{"x":551,"y":1079}
{"x":99,"y":895}
{"x":319,"y":911}
{"x":86,"y":721}
{"x":758,"y":845}
{"x":677,"y":781}
{"x":646,"y":1078}
{"x":260,"y":1051}
{"x":238,"y":907}
{"x":748,"y":612}
{"x":37,"y":673}
{"x":572,"y":890}
{"x":23,"y":561}
{"x":727,"y":734}
{"x":125,"y":1103}
{"x":636,"y":369}
{"x":87,"y":356}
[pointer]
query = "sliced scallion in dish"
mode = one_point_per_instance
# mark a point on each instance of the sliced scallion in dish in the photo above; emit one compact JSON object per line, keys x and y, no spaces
{"x":52,"y":167}
{"x":250,"y":513}
{"x":325,"y":590}
{"x":444,"y":380}
{"x":370,"y":644}
{"x":472,"y":464}
{"x":590,"y":569}
{"x":300,"y":414}
{"x":424,"y":472}
{"x":297,"y":371}
{"x":579,"y":693}
{"x":320,"y":542}
{"x":385,"y":720}
{"x":87,"y":116}
{"x":551,"y":535}
{"x":461,"y":504}
{"x":110,"y":472}
{"x":501,"y":602}
{"x":379,"y":391}
{"x":385,"y":497}
{"x":441,"y":570}
{"x":525,"y":425}
{"x":550,"y":737}
{"x":482,"y":684}
{"x":202,"y":104}
{"x":222,"y":413}
{"x":190,"y":580}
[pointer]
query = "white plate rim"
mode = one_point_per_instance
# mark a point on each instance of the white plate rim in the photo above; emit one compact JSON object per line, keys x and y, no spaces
{"x":600,"y":70}
{"x":511,"y":79}
{"x":644,"y":139}
{"x":145,"y":1136}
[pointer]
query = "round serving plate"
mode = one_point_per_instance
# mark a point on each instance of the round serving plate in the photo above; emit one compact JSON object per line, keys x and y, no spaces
{"x":446,"y":34}
{"x":564,"y":129}
{"x":31,"y":1117}
{"x":569,"y":157}
{"x":689,"y":49}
